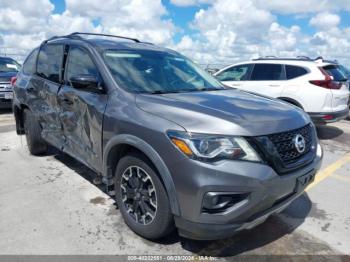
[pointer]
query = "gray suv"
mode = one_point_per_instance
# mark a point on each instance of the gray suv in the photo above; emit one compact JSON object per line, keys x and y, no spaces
{"x":179,"y":149}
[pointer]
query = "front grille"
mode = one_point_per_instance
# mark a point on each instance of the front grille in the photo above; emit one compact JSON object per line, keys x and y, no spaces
{"x":285,"y":146}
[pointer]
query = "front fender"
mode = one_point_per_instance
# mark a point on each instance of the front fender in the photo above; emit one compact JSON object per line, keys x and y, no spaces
{"x":152,"y":155}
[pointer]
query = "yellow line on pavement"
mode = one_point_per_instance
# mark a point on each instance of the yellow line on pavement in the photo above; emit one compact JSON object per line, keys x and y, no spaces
{"x":329,"y":170}
{"x":342,"y":178}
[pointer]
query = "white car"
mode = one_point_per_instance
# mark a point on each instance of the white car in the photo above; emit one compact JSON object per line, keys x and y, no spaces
{"x":317,"y":86}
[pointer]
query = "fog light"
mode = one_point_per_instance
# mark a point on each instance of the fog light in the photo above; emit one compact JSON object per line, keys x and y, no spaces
{"x":215,"y":202}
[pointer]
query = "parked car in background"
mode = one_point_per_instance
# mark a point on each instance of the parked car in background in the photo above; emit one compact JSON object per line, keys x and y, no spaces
{"x":178,"y":147}
{"x":318,"y":87}
{"x":8,"y":70}
{"x":211,"y":71}
{"x":346,"y":71}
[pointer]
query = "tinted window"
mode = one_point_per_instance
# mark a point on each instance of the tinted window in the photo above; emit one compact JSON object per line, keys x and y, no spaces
{"x":267,"y":72}
{"x":236,"y":73}
{"x":145,"y":71}
{"x":336,"y":72}
{"x":79,"y":63}
{"x":8,"y":65}
{"x":294,"y":71}
{"x":30,"y":63}
{"x":345,"y":71}
{"x":50,"y":62}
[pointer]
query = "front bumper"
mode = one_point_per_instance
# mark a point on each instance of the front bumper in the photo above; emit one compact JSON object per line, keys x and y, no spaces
{"x":269,"y":193}
{"x":324,"y":118}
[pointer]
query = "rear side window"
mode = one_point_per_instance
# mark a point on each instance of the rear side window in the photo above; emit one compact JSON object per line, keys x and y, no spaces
{"x":50,"y":62}
{"x":79,"y":62}
{"x":236,"y":73}
{"x":294,"y":71}
{"x":336,"y":72}
{"x":267,"y":72}
{"x":30,"y":63}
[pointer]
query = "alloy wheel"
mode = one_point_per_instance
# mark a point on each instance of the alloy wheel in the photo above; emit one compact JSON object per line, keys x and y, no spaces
{"x":138,"y":195}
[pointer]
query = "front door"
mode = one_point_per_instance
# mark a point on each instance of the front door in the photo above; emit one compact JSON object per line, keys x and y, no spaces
{"x":82,"y":110}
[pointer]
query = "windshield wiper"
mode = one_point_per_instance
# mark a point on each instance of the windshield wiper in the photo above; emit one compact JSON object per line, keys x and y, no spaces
{"x":209,"y":89}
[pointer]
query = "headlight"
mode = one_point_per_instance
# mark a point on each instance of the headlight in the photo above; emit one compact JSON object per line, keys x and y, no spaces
{"x":212,"y":147}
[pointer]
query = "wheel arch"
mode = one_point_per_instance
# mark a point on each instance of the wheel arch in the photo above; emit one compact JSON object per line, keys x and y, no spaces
{"x":18,"y":110}
{"x":119,"y":146}
{"x":291,"y":101}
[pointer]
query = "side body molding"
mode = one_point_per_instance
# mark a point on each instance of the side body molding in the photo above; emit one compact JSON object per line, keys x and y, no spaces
{"x":152,"y":155}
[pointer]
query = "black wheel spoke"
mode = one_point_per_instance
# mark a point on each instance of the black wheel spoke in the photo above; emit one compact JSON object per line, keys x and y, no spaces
{"x":139,"y":195}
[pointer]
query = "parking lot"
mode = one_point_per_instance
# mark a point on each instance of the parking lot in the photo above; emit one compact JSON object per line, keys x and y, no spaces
{"x":49,"y":205}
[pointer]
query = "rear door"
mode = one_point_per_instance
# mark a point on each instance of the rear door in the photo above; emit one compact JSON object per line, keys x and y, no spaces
{"x":41,"y":92}
{"x":266,"y":79}
{"x":235,"y":76}
{"x":81,"y":111}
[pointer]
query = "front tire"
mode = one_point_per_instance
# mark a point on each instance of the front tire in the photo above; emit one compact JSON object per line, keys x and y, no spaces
{"x":35,"y":142}
{"x":141,"y":198}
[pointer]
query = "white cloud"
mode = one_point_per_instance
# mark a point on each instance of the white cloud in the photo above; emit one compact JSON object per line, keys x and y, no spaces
{"x":233,"y":31}
{"x":190,"y":2}
{"x":24,"y":24}
{"x":302,"y":6}
{"x":223,"y":32}
{"x":325,"y":20}
{"x":142,"y":19}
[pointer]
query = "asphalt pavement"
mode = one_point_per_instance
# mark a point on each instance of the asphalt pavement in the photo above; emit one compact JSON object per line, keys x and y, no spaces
{"x":49,"y":205}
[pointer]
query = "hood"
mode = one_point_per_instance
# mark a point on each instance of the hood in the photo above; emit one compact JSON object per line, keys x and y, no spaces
{"x":226,"y":112}
{"x":6,"y":76}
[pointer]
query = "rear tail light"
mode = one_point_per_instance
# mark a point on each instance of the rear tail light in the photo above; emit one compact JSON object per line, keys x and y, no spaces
{"x":327,"y":117}
{"x":13,"y":80}
{"x":327,"y":82}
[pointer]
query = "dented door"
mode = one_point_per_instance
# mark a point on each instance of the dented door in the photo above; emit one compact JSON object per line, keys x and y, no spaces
{"x":81,"y":111}
{"x":42,"y":92}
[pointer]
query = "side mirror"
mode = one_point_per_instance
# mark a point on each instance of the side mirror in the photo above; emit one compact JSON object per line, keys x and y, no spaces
{"x":86,"y":82}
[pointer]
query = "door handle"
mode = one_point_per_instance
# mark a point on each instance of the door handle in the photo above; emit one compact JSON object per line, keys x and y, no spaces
{"x":275,"y":85}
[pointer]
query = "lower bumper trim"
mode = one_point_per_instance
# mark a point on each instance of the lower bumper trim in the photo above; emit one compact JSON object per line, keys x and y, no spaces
{"x":201,"y":231}
{"x":323,"y":118}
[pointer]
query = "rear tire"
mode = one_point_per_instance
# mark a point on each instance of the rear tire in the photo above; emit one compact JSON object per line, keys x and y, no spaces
{"x":135,"y":174}
{"x":35,"y":142}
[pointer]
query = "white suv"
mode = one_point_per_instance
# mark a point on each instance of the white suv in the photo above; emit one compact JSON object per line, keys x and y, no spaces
{"x":317,"y":86}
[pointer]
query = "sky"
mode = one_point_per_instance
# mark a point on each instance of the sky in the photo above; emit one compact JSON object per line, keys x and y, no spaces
{"x":217,"y":32}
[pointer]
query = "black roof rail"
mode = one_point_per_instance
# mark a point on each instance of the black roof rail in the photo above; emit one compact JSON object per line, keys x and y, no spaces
{"x":298,"y":58}
{"x":303,"y":57}
{"x":77,"y":35}
{"x":97,"y":34}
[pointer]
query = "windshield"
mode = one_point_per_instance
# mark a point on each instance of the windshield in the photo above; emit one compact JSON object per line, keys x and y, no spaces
{"x":9,"y":65}
{"x":157,"y":72}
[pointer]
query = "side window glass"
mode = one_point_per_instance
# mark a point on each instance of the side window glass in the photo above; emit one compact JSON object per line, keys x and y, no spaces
{"x":236,"y":73}
{"x":267,"y":72}
{"x":30,"y":63}
{"x":50,"y":62}
{"x":294,"y":71}
{"x":79,"y":62}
